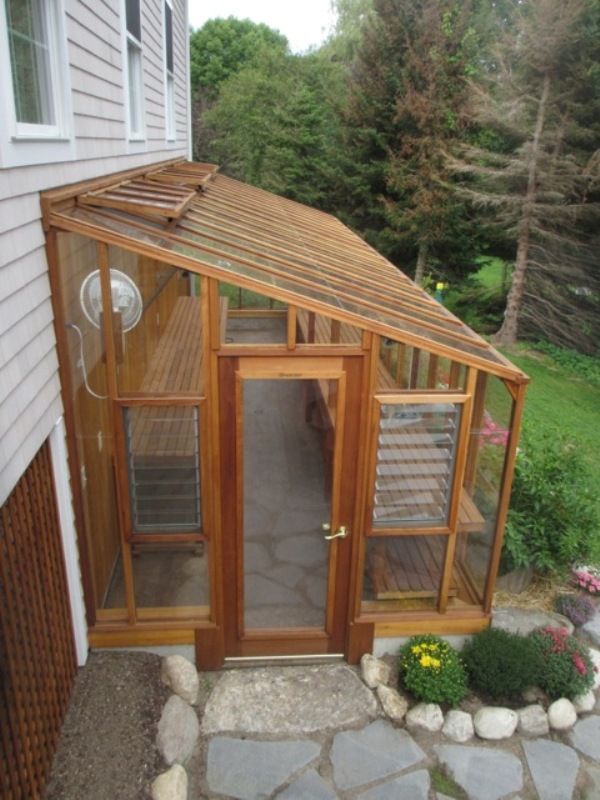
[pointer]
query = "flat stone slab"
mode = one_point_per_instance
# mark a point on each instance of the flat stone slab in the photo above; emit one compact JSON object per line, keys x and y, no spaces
{"x":415,"y":786}
{"x":483,"y":773}
{"x":288,"y":700}
{"x":586,"y":737}
{"x":553,"y":767}
{"x":524,"y":620}
{"x":250,"y":770}
{"x":309,"y":786}
{"x":379,"y":750}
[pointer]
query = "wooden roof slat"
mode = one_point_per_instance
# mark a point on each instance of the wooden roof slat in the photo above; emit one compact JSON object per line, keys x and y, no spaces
{"x":141,"y":196}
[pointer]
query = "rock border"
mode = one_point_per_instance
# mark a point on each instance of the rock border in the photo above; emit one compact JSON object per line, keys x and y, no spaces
{"x":489,"y":723}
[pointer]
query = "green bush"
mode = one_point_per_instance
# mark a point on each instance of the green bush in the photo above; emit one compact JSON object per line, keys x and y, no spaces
{"x":567,"y":669}
{"x":553,"y":512}
{"x":432,"y":670}
{"x":501,"y":664}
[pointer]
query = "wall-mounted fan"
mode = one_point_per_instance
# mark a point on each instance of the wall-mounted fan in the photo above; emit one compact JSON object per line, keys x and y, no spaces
{"x":126,"y":298}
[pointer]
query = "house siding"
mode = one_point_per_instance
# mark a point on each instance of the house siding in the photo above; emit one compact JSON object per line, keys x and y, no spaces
{"x":29,"y":386}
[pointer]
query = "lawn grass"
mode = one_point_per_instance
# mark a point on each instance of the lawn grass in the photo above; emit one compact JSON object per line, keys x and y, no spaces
{"x":559,"y":398}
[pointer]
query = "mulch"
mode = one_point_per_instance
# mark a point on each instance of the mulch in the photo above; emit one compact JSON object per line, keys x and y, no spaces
{"x":107,"y":750}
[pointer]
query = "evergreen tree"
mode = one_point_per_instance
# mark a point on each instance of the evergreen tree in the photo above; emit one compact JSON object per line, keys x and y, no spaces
{"x":540,"y":103}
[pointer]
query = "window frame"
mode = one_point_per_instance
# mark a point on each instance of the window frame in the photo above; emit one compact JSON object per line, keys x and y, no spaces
{"x":409,"y":398}
{"x":134,"y":102}
{"x":24,"y":143}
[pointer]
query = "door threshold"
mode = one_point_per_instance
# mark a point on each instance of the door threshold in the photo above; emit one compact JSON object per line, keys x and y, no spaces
{"x":236,"y":662}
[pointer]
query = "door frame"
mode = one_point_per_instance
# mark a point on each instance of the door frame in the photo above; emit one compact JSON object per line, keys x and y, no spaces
{"x":233,"y":370}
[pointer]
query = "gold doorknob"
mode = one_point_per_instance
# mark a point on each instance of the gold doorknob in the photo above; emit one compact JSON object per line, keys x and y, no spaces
{"x":341,"y":533}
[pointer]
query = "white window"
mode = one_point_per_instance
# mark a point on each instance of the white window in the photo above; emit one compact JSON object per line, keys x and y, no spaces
{"x":34,"y":83}
{"x":169,"y":74}
{"x":135,"y":77}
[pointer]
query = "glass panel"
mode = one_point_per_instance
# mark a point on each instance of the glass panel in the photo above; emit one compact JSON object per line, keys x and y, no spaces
{"x":486,"y":455}
{"x":133,"y":20}
{"x":134,"y":73}
{"x":404,"y":367}
{"x":288,"y":453}
{"x":30,"y":61}
{"x":403,"y":572}
{"x":165,"y":576}
{"x":415,"y":463}
{"x":251,"y":318}
{"x":163,"y":458}
{"x":162,"y":352}
{"x":77,"y":259}
{"x":318,"y":329}
{"x":169,"y":37}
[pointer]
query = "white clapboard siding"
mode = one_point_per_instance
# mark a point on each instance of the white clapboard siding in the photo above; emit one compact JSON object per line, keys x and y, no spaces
{"x":30,"y":400}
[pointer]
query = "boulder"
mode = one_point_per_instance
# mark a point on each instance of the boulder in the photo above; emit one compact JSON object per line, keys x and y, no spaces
{"x":595,"y":656}
{"x":181,"y":676}
{"x":533,"y":721}
{"x":584,"y":702}
{"x":562,"y":715}
{"x":171,"y":785}
{"x":458,"y":726}
{"x":425,"y":715}
{"x":393,"y":703}
{"x":495,"y":722}
{"x":591,"y":629}
{"x":374,"y":671}
{"x":526,"y":620}
{"x":178,"y":731}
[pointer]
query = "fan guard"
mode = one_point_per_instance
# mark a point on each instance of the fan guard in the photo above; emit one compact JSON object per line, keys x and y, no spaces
{"x":126,"y":298}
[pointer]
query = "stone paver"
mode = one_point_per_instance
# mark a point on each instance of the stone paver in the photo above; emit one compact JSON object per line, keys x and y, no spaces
{"x":309,"y":786}
{"x":415,"y":786}
{"x":553,"y":767}
{"x":249,"y":770}
{"x":288,"y":700}
{"x":586,"y":737}
{"x":483,"y":773}
{"x":379,"y":750}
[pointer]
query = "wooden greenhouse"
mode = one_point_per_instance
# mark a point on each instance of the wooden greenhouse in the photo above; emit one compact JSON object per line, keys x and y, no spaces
{"x":279,"y":444}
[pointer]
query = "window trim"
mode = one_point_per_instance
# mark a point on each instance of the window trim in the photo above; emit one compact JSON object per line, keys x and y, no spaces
{"x":24,"y":143}
{"x":131,"y":43}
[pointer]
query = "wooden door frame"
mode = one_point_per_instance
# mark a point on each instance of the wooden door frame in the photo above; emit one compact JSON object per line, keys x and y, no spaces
{"x":233,"y":370}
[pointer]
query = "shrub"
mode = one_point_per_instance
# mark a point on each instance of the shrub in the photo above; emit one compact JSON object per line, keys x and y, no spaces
{"x":501,"y":664}
{"x":553,"y":511}
{"x":567,"y":669}
{"x":432,"y":670}
{"x":578,"y":608}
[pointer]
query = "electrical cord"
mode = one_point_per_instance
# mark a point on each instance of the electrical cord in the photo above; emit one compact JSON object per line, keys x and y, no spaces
{"x":82,"y":363}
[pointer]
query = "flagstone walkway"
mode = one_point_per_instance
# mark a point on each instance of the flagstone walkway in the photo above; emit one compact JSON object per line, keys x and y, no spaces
{"x":317,"y":733}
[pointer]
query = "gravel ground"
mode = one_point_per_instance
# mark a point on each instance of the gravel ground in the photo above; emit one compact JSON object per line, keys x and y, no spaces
{"x":106,"y":750}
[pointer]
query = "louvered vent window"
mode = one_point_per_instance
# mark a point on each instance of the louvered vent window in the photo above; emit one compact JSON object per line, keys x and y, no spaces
{"x":164,"y":468}
{"x":415,"y":463}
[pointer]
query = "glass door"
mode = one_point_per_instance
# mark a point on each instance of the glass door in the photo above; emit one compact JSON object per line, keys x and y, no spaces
{"x":294,"y":521}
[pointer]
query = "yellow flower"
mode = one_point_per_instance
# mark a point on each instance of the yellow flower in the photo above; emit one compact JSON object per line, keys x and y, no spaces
{"x":416,"y":649}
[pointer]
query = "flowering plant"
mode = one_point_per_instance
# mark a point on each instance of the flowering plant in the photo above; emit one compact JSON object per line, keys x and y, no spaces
{"x":432,"y":670}
{"x":577,"y":607}
{"x":587,"y":577}
{"x":567,"y":669}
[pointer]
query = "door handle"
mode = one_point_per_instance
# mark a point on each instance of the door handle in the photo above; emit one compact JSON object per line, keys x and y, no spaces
{"x":341,"y":533}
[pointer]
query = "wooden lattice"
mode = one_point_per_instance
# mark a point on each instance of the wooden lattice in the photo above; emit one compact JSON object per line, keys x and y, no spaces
{"x":37,"y":656}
